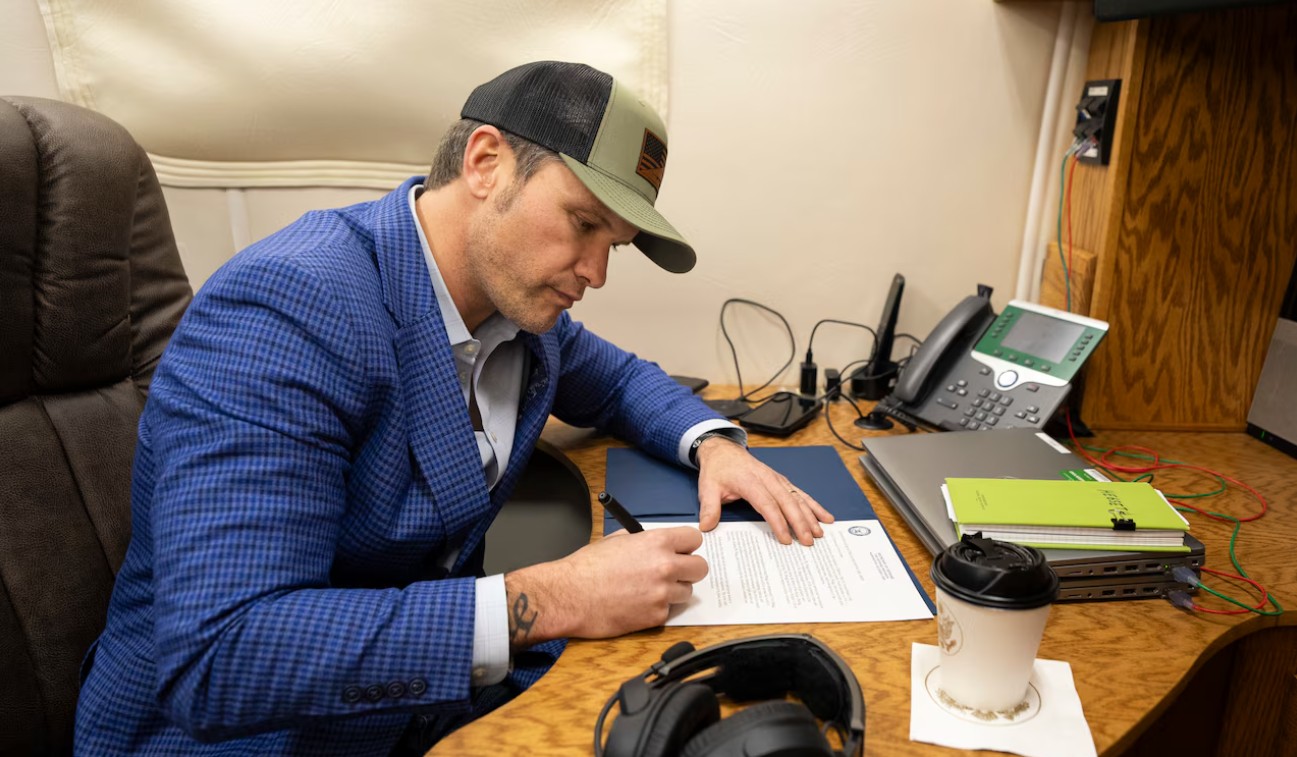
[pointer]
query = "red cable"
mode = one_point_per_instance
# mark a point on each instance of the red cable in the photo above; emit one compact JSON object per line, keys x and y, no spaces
{"x":1200,"y":511}
{"x":1164,"y":466}
{"x":1199,"y":608}
{"x":1265,"y":594}
{"x":1157,"y":464}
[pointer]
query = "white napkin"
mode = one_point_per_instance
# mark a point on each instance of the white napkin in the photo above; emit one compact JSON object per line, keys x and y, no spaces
{"x":1052,"y":724}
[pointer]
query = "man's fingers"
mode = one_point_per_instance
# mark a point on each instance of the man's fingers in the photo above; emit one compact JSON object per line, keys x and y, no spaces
{"x":806,"y":509}
{"x":807,"y":502}
{"x":692,"y":569}
{"x":773,"y":514}
{"x":709,"y":507}
{"x":789,"y":511}
{"x":683,"y":540}
{"x":821,"y":514}
{"x":796,"y":508}
{"x":709,"y":515}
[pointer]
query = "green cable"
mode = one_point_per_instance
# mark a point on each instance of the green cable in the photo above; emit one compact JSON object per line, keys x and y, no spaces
{"x":1233,"y":538}
{"x":1062,"y":188}
{"x":1233,"y":557}
{"x":1244,"y":605}
{"x":1149,"y":476}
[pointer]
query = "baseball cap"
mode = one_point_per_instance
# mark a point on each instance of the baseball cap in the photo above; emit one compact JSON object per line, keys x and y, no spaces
{"x":611,"y":139}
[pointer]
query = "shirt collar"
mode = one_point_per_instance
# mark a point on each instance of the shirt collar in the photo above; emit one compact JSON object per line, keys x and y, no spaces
{"x":496,"y":325}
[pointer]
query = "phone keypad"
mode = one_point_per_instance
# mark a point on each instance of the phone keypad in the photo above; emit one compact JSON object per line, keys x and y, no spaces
{"x":988,"y":408}
{"x":969,"y":398}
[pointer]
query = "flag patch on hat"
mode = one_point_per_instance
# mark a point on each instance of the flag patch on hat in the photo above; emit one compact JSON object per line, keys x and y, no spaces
{"x":652,"y":160}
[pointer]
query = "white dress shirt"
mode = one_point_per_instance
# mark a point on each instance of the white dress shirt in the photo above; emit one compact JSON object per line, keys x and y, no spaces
{"x":490,"y":364}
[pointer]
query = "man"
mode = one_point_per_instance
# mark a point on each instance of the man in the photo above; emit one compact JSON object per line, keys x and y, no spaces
{"x":343,"y":410}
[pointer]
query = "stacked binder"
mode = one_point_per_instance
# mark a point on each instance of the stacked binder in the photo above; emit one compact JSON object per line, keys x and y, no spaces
{"x":1066,"y":514}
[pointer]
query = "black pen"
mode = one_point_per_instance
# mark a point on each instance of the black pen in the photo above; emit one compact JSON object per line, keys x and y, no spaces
{"x":622,"y":515}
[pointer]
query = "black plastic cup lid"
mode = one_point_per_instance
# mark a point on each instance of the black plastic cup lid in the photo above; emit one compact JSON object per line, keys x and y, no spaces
{"x":995,"y":574}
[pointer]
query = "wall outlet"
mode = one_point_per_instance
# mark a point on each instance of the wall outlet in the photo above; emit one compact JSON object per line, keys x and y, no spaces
{"x":1096,"y":118}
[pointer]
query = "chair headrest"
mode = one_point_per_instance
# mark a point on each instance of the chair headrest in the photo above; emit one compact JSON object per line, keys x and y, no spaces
{"x":91,"y":283}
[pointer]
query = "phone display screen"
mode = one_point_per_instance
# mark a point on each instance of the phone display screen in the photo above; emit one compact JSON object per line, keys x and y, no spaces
{"x":1041,"y":336}
{"x":783,"y":413}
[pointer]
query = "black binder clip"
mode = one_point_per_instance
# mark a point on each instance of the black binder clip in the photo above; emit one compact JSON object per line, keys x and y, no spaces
{"x":1123,"y":524}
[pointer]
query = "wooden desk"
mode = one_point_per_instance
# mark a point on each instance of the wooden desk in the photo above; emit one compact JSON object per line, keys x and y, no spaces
{"x":1130,"y":659}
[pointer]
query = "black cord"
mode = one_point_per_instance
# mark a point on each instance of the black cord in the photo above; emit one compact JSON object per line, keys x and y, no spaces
{"x":744,"y":395}
{"x":900,"y":365}
{"x":760,"y":400}
{"x":598,"y":726}
{"x":828,"y":418}
{"x":843,"y":372}
{"x":917,"y":341}
{"x":811,"y":342}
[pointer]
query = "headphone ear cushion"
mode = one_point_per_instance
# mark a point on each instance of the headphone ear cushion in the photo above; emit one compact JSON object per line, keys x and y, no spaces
{"x":687,"y":709}
{"x":791,"y":720}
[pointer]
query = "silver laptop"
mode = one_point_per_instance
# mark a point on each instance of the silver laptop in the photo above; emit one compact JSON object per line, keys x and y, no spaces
{"x":910,"y":470}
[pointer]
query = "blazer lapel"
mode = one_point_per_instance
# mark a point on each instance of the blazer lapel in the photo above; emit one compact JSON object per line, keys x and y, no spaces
{"x":440,"y":432}
{"x":533,"y":411}
{"x":537,"y":398}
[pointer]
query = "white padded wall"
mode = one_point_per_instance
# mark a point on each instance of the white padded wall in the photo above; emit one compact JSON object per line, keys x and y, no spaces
{"x":817,"y":148}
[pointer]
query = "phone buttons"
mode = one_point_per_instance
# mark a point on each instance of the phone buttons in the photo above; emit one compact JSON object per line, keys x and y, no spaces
{"x":1006,"y":379}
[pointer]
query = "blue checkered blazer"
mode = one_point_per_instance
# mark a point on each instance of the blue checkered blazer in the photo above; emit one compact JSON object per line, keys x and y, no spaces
{"x":304,"y":457}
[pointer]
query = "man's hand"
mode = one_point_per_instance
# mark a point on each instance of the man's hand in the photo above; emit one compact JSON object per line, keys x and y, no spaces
{"x":727,"y":471}
{"x":619,"y":584}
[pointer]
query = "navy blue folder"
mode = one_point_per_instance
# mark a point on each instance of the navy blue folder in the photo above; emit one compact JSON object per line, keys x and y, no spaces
{"x":656,"y":491}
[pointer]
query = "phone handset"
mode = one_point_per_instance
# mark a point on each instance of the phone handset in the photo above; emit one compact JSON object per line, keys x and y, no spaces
{"x":972,"y":314}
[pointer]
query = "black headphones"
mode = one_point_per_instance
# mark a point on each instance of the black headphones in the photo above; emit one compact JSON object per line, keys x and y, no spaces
{"x":677,"y":712}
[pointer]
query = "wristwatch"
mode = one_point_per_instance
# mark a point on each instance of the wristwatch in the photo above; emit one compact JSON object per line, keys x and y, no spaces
{"x":704,"y":436}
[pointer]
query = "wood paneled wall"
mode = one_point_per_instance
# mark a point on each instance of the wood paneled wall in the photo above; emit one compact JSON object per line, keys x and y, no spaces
{"x":1194,"y":221}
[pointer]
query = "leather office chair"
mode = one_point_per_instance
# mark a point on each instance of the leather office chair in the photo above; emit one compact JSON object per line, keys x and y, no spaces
{"x":91,"y":287}
{"x":547,"y":517}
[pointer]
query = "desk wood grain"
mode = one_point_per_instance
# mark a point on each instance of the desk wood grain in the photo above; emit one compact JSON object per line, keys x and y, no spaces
{"x":1130,"y":658}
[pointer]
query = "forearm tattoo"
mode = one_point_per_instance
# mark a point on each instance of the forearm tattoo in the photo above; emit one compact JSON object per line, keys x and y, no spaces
{"x":520,"y":621}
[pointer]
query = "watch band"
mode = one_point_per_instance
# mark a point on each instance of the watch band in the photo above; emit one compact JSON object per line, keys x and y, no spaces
{"x":704,"y":436}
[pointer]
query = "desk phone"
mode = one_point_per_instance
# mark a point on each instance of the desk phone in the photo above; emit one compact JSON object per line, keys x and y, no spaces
{"x":979,"y":371}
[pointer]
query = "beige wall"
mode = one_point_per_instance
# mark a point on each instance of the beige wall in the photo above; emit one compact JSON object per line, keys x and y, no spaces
{"x":816,"y":149}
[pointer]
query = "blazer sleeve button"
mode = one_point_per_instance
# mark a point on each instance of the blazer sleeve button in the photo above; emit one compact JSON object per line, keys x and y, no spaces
{"x":396,"y":689}
{"x":351,"y":694}
{"x":417,"y":687}
{"x":374,"y":693}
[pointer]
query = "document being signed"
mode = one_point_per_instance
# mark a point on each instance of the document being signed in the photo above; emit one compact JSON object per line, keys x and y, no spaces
{"x":851,"y":574}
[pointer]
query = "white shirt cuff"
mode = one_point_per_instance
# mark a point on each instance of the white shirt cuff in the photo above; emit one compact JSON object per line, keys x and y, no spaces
{"x":490,"y":633}
{"x":698,"y":429}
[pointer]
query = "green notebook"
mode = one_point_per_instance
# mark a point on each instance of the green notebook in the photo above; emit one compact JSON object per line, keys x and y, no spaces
{"x":1066,"y":514}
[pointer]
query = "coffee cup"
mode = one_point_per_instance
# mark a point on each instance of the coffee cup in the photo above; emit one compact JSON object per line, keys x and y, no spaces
{"x":993,"y":599}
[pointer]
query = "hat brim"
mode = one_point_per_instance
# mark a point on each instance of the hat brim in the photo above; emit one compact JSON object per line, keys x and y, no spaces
{"x":657,"y":239}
